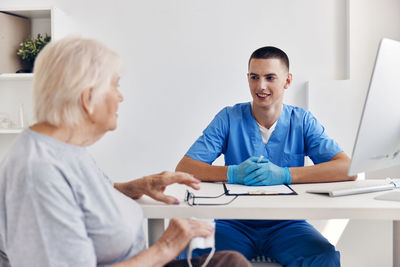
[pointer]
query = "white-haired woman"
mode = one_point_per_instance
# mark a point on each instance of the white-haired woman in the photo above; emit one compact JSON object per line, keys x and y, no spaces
{"x":57,"y":208}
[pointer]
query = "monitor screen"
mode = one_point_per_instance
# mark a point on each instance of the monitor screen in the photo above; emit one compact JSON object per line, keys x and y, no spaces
{"x":377,"y":144}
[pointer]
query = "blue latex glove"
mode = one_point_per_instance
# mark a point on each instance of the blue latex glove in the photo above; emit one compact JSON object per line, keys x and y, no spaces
{"x":237,"y":173}
{"x":267,"y":173}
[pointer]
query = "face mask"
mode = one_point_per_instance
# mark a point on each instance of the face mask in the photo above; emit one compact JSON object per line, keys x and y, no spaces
{"x":201,"y":243}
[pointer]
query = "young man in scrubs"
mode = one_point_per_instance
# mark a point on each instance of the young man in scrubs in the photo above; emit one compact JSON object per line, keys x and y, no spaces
{"x":283,"y":135}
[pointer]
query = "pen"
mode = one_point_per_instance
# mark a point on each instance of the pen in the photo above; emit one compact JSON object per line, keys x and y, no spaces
{"x":260,"y":159}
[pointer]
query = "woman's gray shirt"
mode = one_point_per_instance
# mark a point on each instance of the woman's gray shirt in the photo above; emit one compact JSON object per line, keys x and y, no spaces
{"x":57,"y":208}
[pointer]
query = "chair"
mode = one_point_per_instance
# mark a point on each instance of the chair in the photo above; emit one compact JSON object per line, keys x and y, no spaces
{"x":261,"y":261}
{"x":265,"y":264}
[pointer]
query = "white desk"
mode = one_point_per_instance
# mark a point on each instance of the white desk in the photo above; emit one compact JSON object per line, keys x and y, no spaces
{"x":301,"y":206}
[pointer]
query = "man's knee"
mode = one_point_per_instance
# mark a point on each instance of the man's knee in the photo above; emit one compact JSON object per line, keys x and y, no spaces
{"x":329,"y":258}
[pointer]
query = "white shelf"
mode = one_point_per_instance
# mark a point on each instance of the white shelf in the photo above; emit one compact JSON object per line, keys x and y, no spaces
{"x":11,"y":131}
{"x":16,"y":76}
{"x":33,"y":13}
{"x":16,"y":88}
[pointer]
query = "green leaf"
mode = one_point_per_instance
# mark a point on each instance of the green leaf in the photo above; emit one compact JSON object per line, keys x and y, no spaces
{"x":30,"y":48}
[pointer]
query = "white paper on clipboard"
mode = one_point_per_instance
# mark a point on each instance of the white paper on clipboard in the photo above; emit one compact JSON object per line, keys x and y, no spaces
{"x":238,"y":189}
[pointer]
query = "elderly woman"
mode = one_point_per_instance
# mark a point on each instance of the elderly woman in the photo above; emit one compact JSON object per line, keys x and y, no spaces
{"x":57,"y":208}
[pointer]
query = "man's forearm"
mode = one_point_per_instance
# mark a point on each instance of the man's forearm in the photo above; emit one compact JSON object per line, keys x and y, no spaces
{"x":202,"y":171}
{"x":332,"y":171}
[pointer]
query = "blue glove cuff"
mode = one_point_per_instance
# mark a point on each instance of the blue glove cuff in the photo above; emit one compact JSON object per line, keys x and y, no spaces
{"x":288,"y":176}
{"x":231,"y":174}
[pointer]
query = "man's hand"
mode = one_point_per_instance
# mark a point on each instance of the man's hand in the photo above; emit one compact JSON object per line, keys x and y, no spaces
{"x":237,"y":173}
{"x":267,"y":173}
{"x":154,"y":185}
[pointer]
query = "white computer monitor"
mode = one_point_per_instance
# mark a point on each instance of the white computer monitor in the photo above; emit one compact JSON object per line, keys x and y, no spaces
{"x":377,"y":144}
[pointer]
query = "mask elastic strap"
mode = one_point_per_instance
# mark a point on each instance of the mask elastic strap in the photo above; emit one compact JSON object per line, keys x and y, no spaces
{"x":209,"y":257}
{"x":189,"y":258}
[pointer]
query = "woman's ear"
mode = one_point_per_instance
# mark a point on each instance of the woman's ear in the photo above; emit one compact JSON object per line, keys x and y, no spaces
{"x":86,"y":99}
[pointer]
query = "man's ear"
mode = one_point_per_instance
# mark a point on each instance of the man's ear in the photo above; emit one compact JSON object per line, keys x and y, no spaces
{"x":86,"y":99}
{"x":288,"y":81}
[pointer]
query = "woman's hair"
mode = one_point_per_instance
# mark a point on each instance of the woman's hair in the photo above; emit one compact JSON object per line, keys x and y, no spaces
{"x":63,"y":70}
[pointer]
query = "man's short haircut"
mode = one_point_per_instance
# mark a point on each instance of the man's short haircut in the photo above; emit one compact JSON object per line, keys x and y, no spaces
{"x":268,"y":52}
{"x":63,"y":70}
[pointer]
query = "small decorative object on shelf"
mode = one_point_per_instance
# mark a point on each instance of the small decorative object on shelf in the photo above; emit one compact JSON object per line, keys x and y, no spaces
{"x":21,"y":123}
{"x":5,"y":122}
{"x":29,"y":49}
{"x":9,"y":126}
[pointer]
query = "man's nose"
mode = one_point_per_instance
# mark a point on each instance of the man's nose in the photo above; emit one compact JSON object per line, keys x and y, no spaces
{"x":263,"y":84}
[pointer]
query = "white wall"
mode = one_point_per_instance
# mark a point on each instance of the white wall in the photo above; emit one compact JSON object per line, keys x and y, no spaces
{"x":186,"y":59}
{"x":368,"y":24}
{"x":363,"y":243}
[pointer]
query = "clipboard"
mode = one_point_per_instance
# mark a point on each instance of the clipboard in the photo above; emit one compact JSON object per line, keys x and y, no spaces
{"x":243,"y":190}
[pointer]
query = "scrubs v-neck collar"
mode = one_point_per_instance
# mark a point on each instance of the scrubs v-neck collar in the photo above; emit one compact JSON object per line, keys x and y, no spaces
{"x":277,"y":135}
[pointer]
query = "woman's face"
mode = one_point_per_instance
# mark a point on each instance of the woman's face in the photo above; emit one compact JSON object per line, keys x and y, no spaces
{"x":105,"y":111}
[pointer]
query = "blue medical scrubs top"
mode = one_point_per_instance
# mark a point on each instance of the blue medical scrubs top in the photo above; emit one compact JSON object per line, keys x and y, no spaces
{"x":234,"y":132}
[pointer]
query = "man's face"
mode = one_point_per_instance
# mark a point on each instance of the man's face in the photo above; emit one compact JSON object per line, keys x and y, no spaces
{"x":268,"y":79}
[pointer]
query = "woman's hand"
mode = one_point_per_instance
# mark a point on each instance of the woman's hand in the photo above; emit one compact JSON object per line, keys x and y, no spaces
{"x":154,"y":185}
{"x":179,"y":233}
{"x":171,"y":243}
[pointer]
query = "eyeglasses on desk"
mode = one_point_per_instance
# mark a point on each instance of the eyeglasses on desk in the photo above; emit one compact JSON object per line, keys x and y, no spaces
{"x":193,"y":200}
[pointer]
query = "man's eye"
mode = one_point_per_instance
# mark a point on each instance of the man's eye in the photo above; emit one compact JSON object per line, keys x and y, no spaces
{"x":270,"y":78}
{"x":253,"y":77}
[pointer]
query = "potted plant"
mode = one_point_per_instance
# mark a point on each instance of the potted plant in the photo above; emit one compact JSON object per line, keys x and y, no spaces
{"x":29,"y":49}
